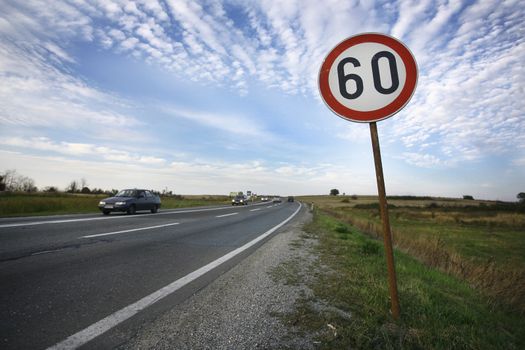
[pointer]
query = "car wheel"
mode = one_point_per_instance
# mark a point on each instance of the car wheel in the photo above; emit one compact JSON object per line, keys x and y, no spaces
{"x":132,"y":210}
{"x":106,"y":212}
{"x":155,"y":209}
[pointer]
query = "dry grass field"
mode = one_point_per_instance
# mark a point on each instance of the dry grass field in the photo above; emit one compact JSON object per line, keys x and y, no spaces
{"x":347,"y":306}
{"x":481,"y":242}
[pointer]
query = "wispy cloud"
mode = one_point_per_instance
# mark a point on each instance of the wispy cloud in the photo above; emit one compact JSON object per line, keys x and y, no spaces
{"x":237,"y":125}
{"x":38,"y":89}
{"x":80,"y":150}
{"x":425,"y":160}
{"x":470,"y":98}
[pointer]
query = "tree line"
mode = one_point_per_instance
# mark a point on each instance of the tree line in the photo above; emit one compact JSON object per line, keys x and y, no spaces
{"x":12,"y":181}
{"x":335,"y":192}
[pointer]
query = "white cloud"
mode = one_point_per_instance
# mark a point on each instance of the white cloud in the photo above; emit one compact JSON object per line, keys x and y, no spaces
{"x":470,"y":100}
{"x":520,"y":161}
{"x":355,"y":133}
{"x":79,"y":150}
{"x":282,"y":44}
{"x":38,"y":90}
{"x":424,"y":160}
{"x":189,"y":177}
{"x":238,"y":125}
{"x":129,"y":43}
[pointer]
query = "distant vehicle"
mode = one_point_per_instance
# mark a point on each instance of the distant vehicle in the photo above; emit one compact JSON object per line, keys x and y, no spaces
{"x":290,"y":199}
{"x":240,"y":200}
{"x":130,"y":201}
{"x":276,"y":200}
{"x":265,"y":199}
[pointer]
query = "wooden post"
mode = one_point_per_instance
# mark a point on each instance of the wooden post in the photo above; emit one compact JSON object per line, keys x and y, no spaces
{"x":387,"y":235}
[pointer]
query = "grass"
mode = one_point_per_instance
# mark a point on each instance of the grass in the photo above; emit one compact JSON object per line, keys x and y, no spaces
{"x":22,"y":204}
{"x":193,"y":201}
{"x":480,"y":242}
{"x":438,"y":311}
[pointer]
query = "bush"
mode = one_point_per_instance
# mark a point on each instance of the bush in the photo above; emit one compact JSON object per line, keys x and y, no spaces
{"x":373,"y":206}
{"x":370,"y":247}
{"x":342,"y":228}
{"x":410,"y":198}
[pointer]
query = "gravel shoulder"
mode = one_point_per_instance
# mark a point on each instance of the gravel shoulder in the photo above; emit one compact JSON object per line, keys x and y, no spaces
{"x":241,"y":308}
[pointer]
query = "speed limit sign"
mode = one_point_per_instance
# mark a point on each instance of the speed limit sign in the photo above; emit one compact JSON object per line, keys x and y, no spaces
{"x":368,"y":77}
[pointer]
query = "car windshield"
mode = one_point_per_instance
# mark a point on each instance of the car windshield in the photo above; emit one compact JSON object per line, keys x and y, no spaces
{"x":126,"y":193}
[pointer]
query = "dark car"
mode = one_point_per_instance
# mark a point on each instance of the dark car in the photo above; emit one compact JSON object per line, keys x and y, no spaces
{"x":130,"y":201}
{"x":290,"y":199}
{"x":240,"y":200}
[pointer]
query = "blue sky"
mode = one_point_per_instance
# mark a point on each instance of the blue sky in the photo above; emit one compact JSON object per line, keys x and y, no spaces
{"x":209,"y":97}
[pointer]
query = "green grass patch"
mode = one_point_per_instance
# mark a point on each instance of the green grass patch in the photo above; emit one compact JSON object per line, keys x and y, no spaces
{"x":438,"y":311}
{"x":23,"y":204}
{"x":193,"y":201}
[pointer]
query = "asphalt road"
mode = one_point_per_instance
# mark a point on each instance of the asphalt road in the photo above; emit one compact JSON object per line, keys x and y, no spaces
{"x":88,"y":280}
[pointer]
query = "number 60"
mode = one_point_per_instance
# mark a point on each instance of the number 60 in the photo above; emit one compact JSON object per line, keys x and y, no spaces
{"x":394,"y":75}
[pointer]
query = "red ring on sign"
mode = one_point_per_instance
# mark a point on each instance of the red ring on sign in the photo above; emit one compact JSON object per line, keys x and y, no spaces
{"x":377,"y":114}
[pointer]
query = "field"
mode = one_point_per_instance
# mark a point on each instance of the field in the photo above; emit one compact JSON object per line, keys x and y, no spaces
{"x":22,"y":204}
{"x":481,"y":242}
{"x":347,"y":306}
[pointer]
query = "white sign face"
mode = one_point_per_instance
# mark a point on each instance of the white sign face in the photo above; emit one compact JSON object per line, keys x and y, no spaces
{"x":368,"y":77}
{"x":363,"y":60}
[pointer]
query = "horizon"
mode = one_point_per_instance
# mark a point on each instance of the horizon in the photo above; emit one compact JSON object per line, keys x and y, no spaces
{"x":165,"y":192}
{"x":221,"y":96}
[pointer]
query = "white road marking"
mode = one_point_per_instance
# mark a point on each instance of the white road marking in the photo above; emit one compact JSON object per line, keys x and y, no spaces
{"x":269,"y":206}
{"x":61,"y":221}
{"x":32,"y":223}
{"x":130,"y":230}
{"x":46,"y":252}
{"x":102,"y":326}
{"x":222,"y":216}
{"x":255,"y":209}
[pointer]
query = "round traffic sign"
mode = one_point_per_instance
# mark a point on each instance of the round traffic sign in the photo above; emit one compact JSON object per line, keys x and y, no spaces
{"x":368,"y":77}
